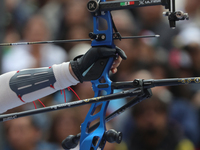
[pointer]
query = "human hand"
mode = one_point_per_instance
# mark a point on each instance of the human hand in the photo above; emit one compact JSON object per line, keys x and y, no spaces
{"x":116,"y":63}
{"x":82,"y":63}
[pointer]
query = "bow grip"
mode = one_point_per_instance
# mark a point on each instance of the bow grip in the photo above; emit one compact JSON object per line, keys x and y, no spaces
{"x":99,"y":69}
{"x":103,"y":83}
{"x":94,"y":139}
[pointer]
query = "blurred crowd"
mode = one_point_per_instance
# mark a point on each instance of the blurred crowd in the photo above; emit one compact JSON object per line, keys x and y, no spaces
{"x":170,"y":120}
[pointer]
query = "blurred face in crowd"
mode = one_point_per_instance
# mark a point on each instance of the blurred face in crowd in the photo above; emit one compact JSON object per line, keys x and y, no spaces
{"x":66,"y":126}
{"x":36,"y":29}
{"x":76,"y":14}
{"x":64,"y":123}
{"x":21,"y":134}
{"x":191,"y":6}
{"x":151,"y":117}
{"x":150,"y":14}
{"x":76,"y":32}
{"x":194,"y":51}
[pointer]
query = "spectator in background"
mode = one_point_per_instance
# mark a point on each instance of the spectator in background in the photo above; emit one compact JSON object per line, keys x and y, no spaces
{"x":188,"y":46}
{"x":74,"y":14}
{"x":185,"y":57}
{"x":32,"y":56}
{"x":77,"y":32}
{"x":19,"y":11}
{"x":24,"y":134}
{"x":151,"y":19}
{"x":52,"y":11}
{"x":192,"y":7}
{"x":153,"y":130}
{"x":124,"y":23}
{"x":196,"y":102}
{"x":179,"y":110}
{"x":64,"y":123}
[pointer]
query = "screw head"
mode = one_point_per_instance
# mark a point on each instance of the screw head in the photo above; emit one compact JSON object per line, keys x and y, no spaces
{"x":103,"y":37}
{"x":92,"y":6}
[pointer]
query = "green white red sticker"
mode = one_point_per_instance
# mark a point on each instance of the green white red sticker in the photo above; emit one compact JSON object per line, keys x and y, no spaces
{"x":127,"y":3}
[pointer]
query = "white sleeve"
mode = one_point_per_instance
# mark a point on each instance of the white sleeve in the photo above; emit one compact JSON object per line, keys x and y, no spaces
{"x":9,"y":99}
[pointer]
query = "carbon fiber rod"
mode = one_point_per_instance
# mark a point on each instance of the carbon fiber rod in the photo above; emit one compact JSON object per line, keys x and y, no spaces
{"x":123,"y":94}
{"x":150,"y":83}
{"x":72,"y":140}
{"x":74,"y":40}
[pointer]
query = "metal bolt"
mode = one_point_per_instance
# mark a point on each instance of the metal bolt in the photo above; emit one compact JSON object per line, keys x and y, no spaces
{"x":165,"y":13}
{"x":103,"y":37}
{"x":135,"y":82}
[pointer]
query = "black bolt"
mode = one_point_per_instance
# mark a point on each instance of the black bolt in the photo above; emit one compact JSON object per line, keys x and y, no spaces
{"x":135,"y":82}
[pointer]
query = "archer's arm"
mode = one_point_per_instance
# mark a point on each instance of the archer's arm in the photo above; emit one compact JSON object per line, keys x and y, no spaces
{"x":20,"y":87}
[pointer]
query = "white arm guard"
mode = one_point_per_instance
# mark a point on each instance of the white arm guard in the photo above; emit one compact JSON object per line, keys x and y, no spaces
{"x":28,"y":85}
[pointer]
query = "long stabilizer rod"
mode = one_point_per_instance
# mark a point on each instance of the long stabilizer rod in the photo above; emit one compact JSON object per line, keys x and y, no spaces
{"x":150,"y":83}
{"x":123,"y":94}
{"x":146,"y":84}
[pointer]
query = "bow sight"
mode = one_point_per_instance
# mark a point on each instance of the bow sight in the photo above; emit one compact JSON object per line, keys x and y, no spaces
{"x":96,"y":7}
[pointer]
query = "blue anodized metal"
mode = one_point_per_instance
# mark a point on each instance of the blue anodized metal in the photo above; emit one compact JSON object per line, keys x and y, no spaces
{"x":91,"y":141}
